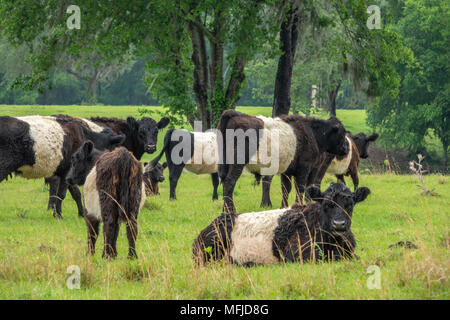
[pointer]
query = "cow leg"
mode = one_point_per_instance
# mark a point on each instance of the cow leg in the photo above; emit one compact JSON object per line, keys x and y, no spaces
{"x":215,"y":181}
{"x":110,"y":233}
{"x":355,"y":178}
{"x":60,"y":196}
{"x":265,"y":201}
{"x":340,"y":178}
{"x":228,"y":187}
{"x":76,"y":195}
{"x":53,"y":183}
{"x":132,"y":231}
{"x":301,"y":182}
{"x":92,"y":226}
{"x":174,"y":175}
{"x":322,"y":169}
{"x":286,"y":186}
{"x":257,"y":179}
{"x":313,"y":177}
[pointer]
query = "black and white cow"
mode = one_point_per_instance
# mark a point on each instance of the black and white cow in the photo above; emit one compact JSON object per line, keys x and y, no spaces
{"x":296,"y":151}
{"x":332,"y":164}
{"x":140,"y":136}
{"x":202,"y":159}
{"x":312,"y":232}
{"x":41,"y":147}
{"x":348,"y":164}
{"x":114,"y":192}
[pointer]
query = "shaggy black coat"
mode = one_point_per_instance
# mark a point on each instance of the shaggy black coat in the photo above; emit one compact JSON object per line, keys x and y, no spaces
{"x":214,"y":242}
{"x":119,"y":182}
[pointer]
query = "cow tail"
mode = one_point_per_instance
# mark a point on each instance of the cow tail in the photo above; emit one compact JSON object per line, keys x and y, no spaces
{"x":167,"y":137}
{"x":222,"y":127}
{"x":130,"y":184}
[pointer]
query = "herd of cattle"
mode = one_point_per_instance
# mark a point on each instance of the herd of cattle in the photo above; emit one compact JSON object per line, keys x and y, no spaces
{"x":103,"y":155}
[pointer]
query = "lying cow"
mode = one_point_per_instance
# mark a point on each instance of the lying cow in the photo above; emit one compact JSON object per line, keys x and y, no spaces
{"x":316,"y":231}
{"x":153,"y":175}
{"x":140,"y":136}
{"x":203,"y":158}
{"x":40,"y":147}
{"x":114,"y":192}
{"x":301,"y":140}
{"x":348,"y":164}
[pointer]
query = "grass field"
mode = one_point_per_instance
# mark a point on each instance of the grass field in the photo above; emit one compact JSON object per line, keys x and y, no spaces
{"x":36,"y":249}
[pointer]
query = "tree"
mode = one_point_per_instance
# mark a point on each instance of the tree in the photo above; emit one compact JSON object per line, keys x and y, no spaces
{"x":350,"y":47}
{"x":223,"y":36}
{"x":422,"y":107}
{"x":92,"y":71}
{"x":289,"y":34}
{"x":195,"y":46}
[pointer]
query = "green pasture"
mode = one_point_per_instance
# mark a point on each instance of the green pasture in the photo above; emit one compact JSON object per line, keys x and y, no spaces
{"x":36,"y":249}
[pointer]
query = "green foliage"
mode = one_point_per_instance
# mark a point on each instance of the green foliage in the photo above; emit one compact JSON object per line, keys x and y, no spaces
{"x":337,"y":49}
{"x":421,"y":108}
{"x":177,"y":37}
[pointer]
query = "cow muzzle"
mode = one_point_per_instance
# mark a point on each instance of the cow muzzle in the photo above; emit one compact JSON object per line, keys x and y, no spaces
{"x":150,"y":148}
{"x":339,"y":226}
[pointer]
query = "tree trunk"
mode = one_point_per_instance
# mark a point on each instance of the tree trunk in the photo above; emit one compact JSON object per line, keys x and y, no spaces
{"x":289,"y":39}
{"x":93,"y":90}
{"x":332,"y":95}
{"x":201,"y":75}
{"x":216,"y":68}
{"x":211,"y":94}
{"x":237,"y":78}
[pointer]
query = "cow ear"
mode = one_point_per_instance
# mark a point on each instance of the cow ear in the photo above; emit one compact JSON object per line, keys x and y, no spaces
{"x":373,"y":137}
{"x":361,"y":194}
{"x":87,"y":148}
{"x":132,"y":123}
{"x":164,"y":165}
{"x":163,"y":122}
{"x":314,"y":193}
{"x":334,"y":128}
{"x":116,"y":141}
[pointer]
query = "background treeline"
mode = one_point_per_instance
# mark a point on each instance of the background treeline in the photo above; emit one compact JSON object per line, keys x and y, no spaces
{"x":128,"y":88}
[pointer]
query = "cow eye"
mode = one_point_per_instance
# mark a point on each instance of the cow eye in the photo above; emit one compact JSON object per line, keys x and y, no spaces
{"x":328,"y":205}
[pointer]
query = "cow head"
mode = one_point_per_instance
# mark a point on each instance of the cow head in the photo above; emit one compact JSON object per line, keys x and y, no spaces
{"x":16,"y":146}
{"x":333,"y":137}
{"x":153,"y":174}
{"x":362,"y":143}
{"x":82,"y":162}
{"x":105,"y":140}
{"x":146,"y":131}
{"x":336,"y":206}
